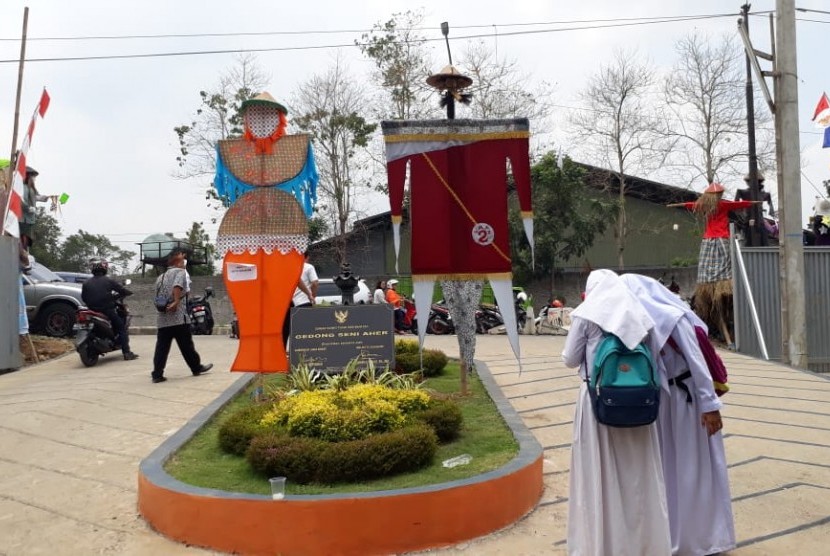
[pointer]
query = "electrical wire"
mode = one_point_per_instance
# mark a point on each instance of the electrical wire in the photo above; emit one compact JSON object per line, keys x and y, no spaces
{"x":675,"y":19}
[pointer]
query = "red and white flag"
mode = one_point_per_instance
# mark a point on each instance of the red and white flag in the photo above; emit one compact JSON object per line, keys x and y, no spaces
{"x":822,"y":113}
{"x":13,"y":210}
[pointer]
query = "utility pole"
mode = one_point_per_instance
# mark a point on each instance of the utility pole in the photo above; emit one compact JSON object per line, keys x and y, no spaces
{"x":789,"y":187}
{"x":757,"y":232}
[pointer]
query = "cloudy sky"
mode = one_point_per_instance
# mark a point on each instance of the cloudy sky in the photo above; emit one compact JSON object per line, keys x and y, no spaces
{"x":108,"y":141}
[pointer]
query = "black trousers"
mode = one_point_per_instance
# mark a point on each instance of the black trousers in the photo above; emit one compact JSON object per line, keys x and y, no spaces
{"x":120,"y":329}
{"x":286,"y":324}
{"x":184,"y":339}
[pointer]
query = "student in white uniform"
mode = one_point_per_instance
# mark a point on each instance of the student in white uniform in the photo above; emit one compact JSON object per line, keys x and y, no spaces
{"x":691,"y":442}
{"x":617,"y":502}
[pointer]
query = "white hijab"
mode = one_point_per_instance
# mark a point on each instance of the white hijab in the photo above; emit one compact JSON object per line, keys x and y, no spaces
{"x":664,"y":307}
{"x":610,"y":305}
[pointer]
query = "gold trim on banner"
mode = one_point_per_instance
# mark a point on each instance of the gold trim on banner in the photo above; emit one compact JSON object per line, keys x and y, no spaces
{"x":460,"y":204}
{"x":286,"y":160}
{"x":526,"y":214}
{"x":444,"y":137}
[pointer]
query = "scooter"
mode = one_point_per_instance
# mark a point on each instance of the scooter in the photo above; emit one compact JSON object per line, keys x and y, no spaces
{"x":440,"y":321}
{"x":95,"y":336}
{"x":201,"y":315}
{"x":488,"y":316}
{"x":410,"y":319}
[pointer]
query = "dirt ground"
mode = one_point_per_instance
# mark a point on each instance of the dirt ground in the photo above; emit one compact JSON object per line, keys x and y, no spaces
{"x":45,"y":347}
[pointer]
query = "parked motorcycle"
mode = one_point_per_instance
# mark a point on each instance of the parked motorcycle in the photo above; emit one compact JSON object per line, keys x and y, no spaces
{"x":95,"y":336}
{"x":201,"y":315}
{"x":488,"y":316}
{"x":440,"y":321}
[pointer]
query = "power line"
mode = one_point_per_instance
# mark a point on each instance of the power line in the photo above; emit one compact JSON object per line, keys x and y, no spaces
{"x":675,"y":19}
{"x":644,"y":20}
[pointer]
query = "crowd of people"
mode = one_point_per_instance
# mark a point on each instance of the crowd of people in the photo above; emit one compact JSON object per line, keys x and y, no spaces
{"x":654,"y":489}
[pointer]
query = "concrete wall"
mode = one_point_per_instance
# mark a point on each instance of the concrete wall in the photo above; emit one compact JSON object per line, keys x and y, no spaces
{"x":144,"y":313}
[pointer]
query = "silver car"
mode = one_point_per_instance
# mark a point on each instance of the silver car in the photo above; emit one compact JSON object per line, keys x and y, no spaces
{"x":51,"y":302}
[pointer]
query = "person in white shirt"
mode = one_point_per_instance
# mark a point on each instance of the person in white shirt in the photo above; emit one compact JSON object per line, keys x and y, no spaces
{"x":303,"y":296}
{"x":379,"y":296}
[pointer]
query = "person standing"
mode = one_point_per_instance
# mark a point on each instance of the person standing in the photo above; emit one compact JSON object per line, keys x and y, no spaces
{"x":689,"y":426}
{"x":99,"y":294}
{"x":30,"y":199}
{"x":820,"y":223}
{"x":617,"y":501}
{"x":304,"y":295}
{"x":173,"y":322}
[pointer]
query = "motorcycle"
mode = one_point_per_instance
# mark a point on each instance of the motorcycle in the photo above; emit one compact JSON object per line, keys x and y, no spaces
{"x":488,"y":316}
{"x":200,"y":313}
{"x":410,"y":320}
{"x":95,"y":336}
{"x":440,"y":321}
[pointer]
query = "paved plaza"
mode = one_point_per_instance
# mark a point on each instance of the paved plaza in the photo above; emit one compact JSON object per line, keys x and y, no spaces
{"x":71,"y":440}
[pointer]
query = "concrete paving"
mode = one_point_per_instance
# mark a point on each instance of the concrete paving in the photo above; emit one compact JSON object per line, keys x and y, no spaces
{"x":71,"y":439}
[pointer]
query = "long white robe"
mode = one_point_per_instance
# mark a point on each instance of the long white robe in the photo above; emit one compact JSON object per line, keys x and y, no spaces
{"x":617,"y":501}
{"x":694,"y":463}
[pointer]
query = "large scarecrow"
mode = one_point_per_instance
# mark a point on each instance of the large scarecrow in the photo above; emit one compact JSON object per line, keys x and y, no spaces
{"x":713,"y":293}
{"x":458,"y":182}
{"x":269,"y":179}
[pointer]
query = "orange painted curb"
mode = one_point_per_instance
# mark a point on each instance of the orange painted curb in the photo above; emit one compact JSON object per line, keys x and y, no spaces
{"x":381,"y":522}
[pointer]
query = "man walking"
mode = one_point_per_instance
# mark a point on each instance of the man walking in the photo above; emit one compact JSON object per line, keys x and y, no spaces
{"x":172,"y":322}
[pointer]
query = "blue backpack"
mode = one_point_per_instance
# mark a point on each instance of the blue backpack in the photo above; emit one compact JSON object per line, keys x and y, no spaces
{"x":624,"y":387}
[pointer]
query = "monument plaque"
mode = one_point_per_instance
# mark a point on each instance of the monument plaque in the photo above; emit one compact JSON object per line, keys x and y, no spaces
{"x":327,"y":338}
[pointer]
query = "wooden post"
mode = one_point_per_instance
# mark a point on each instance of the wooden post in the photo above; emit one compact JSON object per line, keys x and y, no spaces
{"x":464,"y":371}
{"x":19,"y":86}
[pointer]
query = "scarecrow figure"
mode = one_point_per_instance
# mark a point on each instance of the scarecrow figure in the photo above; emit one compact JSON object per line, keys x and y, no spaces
{"x":713,"y":294}
{"x":458,"y":205}
{"x":269,"y":180}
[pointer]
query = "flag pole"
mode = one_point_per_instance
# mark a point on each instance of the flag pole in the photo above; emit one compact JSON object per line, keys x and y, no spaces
{"x":19,"y":89}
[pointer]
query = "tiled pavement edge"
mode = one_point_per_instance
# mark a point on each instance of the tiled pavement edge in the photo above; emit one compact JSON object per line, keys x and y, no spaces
{"x":71,"y":439}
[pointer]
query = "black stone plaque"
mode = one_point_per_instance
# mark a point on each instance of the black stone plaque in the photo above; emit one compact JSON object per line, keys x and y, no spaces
{"x":327,"y":338}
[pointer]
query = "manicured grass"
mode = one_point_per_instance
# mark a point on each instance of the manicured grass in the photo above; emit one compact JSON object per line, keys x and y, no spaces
{"x":484,"y":436}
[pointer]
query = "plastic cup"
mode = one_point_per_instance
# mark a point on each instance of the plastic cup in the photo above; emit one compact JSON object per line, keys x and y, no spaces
{"x":277,"y":488}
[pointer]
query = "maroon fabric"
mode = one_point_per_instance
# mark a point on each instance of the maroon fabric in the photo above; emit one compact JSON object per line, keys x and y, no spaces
{"x":713,"y":361}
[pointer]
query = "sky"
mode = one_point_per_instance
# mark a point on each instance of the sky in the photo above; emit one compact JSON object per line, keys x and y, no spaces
{"x":108,"y":142}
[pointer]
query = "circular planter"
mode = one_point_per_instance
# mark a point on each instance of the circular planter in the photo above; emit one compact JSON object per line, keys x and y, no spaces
{"x":380,"y":522}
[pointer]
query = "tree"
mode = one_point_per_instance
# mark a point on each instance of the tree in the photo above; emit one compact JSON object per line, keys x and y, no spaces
{"x":618,"y":125}
{"x":566,"y":219}
{"x":199,"y":238}
{"x":47,"y":234}
{"x":402,"y":61}
{"x":330,"y":108}
{"x":500,"y":89}
{"x":217,"y":118}
{"x":706,"y":104}
{"x":80,"y":248}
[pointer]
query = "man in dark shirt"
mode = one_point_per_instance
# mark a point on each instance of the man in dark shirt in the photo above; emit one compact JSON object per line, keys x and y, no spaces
{"x":97,"y":293}
{"x":743,"y":218}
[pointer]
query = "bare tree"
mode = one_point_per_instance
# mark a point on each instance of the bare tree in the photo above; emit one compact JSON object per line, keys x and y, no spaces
{"x":330,"y":108}
{"x":500,"y":88}
{"x":217,"y":118}
{"x":617,"y":124}
{"x":706,"y":103}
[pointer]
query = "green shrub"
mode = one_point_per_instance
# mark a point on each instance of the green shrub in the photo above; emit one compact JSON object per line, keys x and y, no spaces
{"x":405,"y":346}
{"x":445,"y":418}
{"x":236,"y":433}
{"x":434,"y":362}
{"x":304,"y":460}
{"x":278,"y":455}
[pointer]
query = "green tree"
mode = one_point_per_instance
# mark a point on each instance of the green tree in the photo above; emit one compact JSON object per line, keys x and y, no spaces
{"x":47,"y":233}
{"x":402,"y":63}
{"x":81,"y":247}
{"x":566,"y":220}
{"x":200,"y":239}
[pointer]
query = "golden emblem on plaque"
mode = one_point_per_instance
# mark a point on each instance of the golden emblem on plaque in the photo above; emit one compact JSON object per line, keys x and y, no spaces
{"x":341,"y":316}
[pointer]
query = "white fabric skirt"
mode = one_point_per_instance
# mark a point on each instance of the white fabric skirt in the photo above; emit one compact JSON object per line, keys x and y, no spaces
{"x":617,"y":502}
{"x":697,"y":484}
